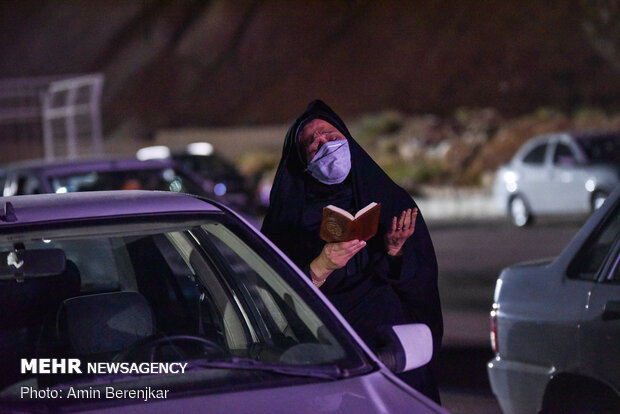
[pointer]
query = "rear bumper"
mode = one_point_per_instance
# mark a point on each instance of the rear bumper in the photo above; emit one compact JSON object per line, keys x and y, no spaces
{"x":518,"y":387}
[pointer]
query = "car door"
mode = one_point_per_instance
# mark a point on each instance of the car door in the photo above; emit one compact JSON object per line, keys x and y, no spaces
{"x":600,"y":333}
{"x":534,"y":177}
{"x":567,"y":181}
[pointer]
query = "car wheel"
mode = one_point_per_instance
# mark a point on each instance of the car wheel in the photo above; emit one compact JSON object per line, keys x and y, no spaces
{"x":598,"y":198}
{"x":581,"y":401}
{"x":519,"y":211}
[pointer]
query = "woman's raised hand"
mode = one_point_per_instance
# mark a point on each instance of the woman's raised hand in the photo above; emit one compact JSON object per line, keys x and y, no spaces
{"x":402,"y":228}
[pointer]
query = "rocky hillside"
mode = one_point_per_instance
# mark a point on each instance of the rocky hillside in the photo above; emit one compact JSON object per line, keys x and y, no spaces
{"x":200,"y":63}
{"x":417,"y":151}
{"x":464,"y":149}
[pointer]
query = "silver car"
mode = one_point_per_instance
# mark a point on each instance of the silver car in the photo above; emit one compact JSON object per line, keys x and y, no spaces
{"x":152,"y":301}
{"x":555,"y":326}
{"x":559,"y":173}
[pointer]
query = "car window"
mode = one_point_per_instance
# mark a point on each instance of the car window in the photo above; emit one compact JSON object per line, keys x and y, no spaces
{"x":164,"y":290}
{"x":99,"y":275}
{"x":590,"y":259}
{"x":212,"y":166}
{"x":21,"y":184}
{"x":563,"y":156}
{"x":166,"y":179}
{"x":29,"y":185}
{"x":614,"y":274}
{"x":536,"y":156}
{"x":10,"y":186}
{"x":282,"y":317}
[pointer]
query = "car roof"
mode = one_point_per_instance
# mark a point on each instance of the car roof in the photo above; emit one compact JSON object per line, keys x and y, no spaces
{"x":570,"y":134}
{"x":578,"y":134}
{"x":86,"y":164}
{"x":585,"y":232}
{"x":45,"y":208}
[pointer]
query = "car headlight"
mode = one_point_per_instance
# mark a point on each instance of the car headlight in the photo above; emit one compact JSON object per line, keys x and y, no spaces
{"x":510,"y":180}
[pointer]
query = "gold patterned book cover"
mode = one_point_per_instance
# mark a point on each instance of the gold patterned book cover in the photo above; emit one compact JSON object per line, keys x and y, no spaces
{"x":339,"y":225}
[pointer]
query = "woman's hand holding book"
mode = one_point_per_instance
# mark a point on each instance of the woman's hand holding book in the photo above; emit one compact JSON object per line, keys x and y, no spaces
{"x":332,"y":257}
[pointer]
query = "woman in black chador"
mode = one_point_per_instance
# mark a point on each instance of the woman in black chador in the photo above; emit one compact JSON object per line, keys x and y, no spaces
{"x":390,"y":279}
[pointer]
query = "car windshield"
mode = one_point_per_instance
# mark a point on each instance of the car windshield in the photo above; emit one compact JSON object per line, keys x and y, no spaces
{"x":165,"y":179}
{"x":211,"y":165}
{"x":136,"y":301}
{"x":212,"y":168}
{"x":601,"y":149}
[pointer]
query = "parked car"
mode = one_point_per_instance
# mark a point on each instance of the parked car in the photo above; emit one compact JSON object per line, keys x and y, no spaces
{"x":140,"y":284}
{"x":200,"y":158}
{"x":112,"y":173}
{"x":559,"y":173}
{"x":555,"y":325}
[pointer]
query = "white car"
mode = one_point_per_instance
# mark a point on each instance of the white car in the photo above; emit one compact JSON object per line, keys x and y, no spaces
{"x":559,"y":173}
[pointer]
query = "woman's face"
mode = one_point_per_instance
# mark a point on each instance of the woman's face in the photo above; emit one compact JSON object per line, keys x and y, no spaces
{"x":314,"y":134}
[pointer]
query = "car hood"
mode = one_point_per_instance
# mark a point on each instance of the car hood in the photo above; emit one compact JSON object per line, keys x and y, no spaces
{"x":534,"y":263}
{"x":372,"y":393}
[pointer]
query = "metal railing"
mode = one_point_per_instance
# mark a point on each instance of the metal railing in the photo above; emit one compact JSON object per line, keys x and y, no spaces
{"x":52,"y":116}
{"x":71,"y":110}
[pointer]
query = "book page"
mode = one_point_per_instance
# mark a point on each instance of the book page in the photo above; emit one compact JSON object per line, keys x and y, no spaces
{"x":341,"y":211}
{"x":365,"y":209}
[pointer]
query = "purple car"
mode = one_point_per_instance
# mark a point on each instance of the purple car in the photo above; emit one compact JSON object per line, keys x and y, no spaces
{"x":114,"y":173}
{"x":149,"y":301}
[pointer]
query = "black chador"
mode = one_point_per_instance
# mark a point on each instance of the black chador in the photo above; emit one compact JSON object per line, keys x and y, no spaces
{"x":374,"y":289}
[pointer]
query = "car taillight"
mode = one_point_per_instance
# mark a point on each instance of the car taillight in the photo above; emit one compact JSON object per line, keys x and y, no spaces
{"x":493,"y":321}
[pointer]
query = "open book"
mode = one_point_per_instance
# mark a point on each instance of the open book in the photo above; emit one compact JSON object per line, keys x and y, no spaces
{"x":339,"y":225}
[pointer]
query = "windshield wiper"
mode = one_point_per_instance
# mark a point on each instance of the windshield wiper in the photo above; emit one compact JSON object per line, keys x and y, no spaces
{"x":330,"y":372}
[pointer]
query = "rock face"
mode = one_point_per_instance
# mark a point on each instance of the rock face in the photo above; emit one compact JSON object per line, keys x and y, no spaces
{"x":179,"y":63}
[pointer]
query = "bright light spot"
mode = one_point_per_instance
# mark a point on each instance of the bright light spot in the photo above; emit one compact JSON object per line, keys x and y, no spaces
{"x":590,"y":185}
{"x":511,"y":186}
{"x":219,"y":189}
{"x":61,"y":190}
{"x":498,"y":288}
{"x":510,"y":179}
{"x":176,"y":185}
{"x":200,"y":148}
{"x":511,"y":176}
{"x":46,"y":241}
{"x":168,"y":174}
{"x":154,"y":152}
{"x":598,"y":202}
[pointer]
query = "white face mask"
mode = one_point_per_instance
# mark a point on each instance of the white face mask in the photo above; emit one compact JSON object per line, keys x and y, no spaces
{"x":332,"y":163}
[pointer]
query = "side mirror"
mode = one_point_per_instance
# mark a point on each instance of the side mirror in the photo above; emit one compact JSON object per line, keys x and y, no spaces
{"x":406,"y":347}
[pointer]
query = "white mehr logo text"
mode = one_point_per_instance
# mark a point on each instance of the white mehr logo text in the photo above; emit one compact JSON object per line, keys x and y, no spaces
{"x":51,"y":366}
